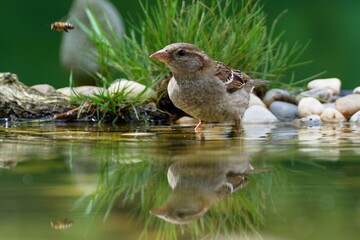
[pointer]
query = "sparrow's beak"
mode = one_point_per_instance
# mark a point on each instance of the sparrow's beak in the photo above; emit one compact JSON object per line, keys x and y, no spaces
{"x":161,"y":55}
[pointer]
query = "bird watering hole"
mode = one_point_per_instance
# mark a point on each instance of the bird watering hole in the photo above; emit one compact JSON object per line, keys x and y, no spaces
{"x":275,"y":181}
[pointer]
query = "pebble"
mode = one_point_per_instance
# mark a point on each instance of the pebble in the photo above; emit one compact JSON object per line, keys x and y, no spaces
{"x":258,"y":114}
{"x":276,"y":94}
{"x":82,"y":90}
{"x":329,"y":105}
{"x":131,"y":89}
{"x":186,"y":120}
{"x":356,"y":90}
{"x":255,"y":100}
{"x":284,"y":111}
{"x":334,"y":84}
{"x":310,"y":106}
{"x":311,"y":120}
{"x":322,"y":94}
{"x":332,"y":115}
{"x":43,"y":88}
{"x":355,"y":117}
{"x":348,"y":105}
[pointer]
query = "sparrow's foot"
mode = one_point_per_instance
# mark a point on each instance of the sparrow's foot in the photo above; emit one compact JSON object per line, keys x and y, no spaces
{"x":237,"y":126}
{"x":197,"y":129}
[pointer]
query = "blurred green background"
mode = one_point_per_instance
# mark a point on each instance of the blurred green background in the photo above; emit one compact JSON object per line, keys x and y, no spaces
{"x":30,"y":49}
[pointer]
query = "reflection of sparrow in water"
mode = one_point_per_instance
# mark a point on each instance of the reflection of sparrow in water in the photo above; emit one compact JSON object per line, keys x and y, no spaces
{"x":204,"y":88}
{"x":197,"y":184}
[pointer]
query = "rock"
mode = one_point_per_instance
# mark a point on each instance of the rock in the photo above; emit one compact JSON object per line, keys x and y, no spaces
{"x":77,"y":52}
{"x":276,"y":94}
{"x":186,"y":120}
{"x":310,"y":106}
{"x":322,"y":94}
{"x":82,"y":90}
{"x":258,"y":114}
{"x":348,"y":105}
{"x":332,"y":115}
{"x":329,"y":105}
{"x":356,"y":90}
{"x":355,"y":117}
{"x":310,"y":121}
{"x":255,"y":100}
{"x":43,"y":88}
{"x":18,"y":101}
{"x":131,"y":90}
{"x":334,"y":84}
{"x":284,"y":111}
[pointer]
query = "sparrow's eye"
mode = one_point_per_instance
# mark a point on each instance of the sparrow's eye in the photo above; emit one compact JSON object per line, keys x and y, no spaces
{"x":181,"y":52}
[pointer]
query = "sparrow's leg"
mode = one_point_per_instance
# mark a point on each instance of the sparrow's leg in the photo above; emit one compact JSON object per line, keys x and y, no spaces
{"x":198,"y":126}
{"x":238,"y":125}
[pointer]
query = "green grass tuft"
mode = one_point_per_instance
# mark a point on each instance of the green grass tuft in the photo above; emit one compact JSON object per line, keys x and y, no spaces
{"x":233,"y":32}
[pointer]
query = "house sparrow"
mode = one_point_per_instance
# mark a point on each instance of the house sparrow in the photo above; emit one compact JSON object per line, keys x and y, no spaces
{"x":198,"y":180}
{"x":204,"y":88}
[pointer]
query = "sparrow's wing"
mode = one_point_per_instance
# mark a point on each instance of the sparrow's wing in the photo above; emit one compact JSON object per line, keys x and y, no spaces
{"x":238,"y":181}
{"x":232,"y":78}
{"x":234,"y":182}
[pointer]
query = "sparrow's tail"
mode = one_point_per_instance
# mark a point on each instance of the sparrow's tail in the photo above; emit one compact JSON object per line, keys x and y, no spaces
{"x":258,"y":82}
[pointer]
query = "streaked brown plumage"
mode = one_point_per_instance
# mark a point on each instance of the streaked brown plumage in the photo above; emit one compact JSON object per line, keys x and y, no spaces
{"x":204,"y":88}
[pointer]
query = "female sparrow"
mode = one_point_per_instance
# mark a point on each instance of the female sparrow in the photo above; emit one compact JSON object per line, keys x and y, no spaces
{"x":204,"y":88}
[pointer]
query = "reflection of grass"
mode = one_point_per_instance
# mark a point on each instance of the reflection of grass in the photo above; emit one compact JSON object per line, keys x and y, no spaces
{"x":231,"y":31}
{"x":137,"y":183}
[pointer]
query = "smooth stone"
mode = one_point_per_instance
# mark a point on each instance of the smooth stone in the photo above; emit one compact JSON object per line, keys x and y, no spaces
{"x":131,"y":90}
{"x":329,"y":105}
{"x":334,"y":84}
{"x":336,"y":97}
{"x":43,"y":88}
{"x":310,"y":106}
{"x":276,"y":94}
{"x":311,"y":120}
{"x":255,"y":100}
{"x":284,"y":111}
{"x":332,"y":115}
{"x":82,"y":90}
{"x":322,"y":94}
{"x":78,"y":53}
{"x":258,"y":114}
{"x":186,"y":120}
{"x":348,"y":105}
{"x":355,"y":117}
{"x":356,"y":90}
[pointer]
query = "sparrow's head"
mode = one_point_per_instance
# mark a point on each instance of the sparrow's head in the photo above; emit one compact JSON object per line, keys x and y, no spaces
{"x":183,"y":58}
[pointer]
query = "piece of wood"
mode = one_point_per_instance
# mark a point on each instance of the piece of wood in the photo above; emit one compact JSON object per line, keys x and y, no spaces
{"x":18,"y":101}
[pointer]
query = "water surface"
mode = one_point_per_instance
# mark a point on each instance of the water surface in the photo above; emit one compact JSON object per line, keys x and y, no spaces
{"x":83,"y":181}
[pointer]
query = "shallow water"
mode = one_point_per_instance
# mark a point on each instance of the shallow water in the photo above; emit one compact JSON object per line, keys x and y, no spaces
{"x":82,"y":181}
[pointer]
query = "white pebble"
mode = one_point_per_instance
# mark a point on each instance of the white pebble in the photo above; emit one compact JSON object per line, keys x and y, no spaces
{"x":131,"y":89}
{"x":310,"y":106}
{"x":332,"y":115}
{"x":258,"y":114}
{"x":334,"y":84}
{"x":355,"y":117}
{"x":82,"y":90}
{"x":356,"y":90}
{"x":255,"y":100}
